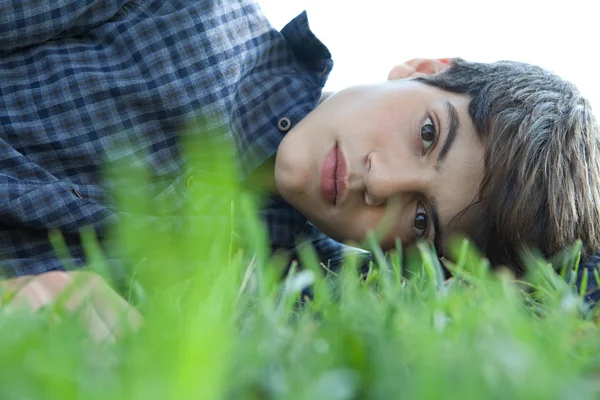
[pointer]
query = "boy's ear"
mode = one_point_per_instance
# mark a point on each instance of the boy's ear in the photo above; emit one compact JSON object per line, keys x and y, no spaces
{"x":418,"y":67}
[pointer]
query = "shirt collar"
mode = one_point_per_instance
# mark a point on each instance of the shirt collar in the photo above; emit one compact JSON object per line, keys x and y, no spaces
{"x":282,"y":80}
{"x":307,"y":48}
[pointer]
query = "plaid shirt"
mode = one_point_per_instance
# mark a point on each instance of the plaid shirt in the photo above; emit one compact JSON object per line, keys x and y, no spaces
{"x":85,"y":82}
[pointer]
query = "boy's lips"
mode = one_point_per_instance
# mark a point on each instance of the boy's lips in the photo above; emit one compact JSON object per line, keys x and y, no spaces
{"x":333,"y":176}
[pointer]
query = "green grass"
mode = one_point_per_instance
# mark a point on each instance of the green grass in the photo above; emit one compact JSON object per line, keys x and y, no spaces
{"x":220,"y":323}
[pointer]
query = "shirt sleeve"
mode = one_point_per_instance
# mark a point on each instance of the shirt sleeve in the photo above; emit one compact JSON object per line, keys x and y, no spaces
{"x":24,"y":23}
{"x":589,"y":267}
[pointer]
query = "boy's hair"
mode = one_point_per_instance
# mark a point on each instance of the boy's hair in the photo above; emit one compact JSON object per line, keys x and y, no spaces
{"x":541,"y":184}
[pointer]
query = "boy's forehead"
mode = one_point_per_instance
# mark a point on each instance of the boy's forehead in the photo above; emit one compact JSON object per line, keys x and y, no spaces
{"x":437,"y":95}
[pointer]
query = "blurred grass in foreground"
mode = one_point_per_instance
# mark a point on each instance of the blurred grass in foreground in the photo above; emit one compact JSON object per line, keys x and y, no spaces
{"x":220,"y":323}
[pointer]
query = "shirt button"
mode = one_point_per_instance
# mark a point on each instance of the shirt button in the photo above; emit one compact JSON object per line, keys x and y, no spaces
{"x":284,"y":124}
{"x":77,"y":194}
{"x":189,"y":181}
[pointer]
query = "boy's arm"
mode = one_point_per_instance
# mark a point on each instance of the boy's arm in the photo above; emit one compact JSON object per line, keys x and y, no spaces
{"x":25,"y":23}
{"x":105,"y":314}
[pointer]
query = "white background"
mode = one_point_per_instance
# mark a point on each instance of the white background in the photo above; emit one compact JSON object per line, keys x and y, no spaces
{"x":368,"y":37}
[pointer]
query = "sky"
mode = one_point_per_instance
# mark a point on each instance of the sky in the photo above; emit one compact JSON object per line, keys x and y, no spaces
{"x":367,"y":38}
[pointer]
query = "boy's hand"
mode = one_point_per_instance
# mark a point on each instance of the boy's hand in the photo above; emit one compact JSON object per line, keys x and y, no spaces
{"x":105,"y":314}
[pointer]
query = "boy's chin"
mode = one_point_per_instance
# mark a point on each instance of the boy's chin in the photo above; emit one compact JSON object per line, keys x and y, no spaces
{"x":290,"y":186}
{"x":291,"y":179}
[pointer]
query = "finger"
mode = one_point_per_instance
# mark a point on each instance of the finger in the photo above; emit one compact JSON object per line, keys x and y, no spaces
{"x":116,"y":313}
{"x":95,"y":324}
{"x":120,"y":316}
{"x":9,"y":289}
{"x":39,"y":291}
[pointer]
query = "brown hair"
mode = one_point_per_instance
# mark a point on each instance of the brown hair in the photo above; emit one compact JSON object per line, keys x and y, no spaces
{"x":541,"y":186}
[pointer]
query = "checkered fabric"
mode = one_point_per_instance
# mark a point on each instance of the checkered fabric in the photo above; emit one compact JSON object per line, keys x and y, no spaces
{"x":84,"y":83}
{"x":588,"y":272}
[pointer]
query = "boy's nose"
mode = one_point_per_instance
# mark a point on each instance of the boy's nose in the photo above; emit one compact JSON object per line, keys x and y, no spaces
{"x":385,"y":180}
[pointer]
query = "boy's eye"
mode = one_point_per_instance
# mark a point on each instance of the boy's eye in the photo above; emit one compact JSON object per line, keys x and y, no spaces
{"x":428,"y":134}
{"x":421,"y":221}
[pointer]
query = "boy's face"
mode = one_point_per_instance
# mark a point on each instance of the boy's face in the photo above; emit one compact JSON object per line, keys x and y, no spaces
{"x":401,"y":158}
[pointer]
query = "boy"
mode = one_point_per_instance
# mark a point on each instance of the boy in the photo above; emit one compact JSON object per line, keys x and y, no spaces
{"x":481,"y":149}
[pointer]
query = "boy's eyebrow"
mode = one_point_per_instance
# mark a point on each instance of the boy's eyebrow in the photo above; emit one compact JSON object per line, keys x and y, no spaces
{"x":453,"y":123}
